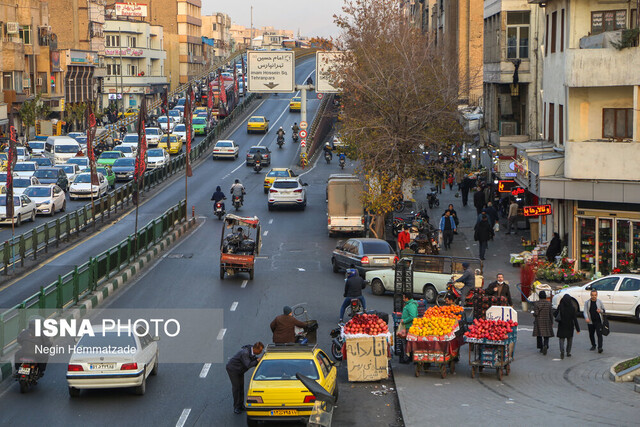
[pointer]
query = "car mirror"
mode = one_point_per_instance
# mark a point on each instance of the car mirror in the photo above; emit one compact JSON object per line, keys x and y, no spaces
{"x":588,"y":288}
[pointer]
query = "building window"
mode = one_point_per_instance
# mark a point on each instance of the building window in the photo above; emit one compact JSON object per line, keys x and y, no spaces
{"x":112,"y":41}
{"x":133,"y":70}
{"x":554,"y":19}
{"x":552,"y":115}
{"x":617,"y":123}
{"x":546,"y":37}
{"x":518,"y":34}
{"x":113,"y":69}
{"x":214,"y":27}
{"x":560,"y":124}
{"x":608,"y":20}
{"x":25,"y":34}
{"x":562,"y":31}
{"x":132,"y":42}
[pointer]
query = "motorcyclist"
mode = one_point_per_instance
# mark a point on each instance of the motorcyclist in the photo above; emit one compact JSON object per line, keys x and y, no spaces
{"x":280,"y":132}
{"x":327,"y":149}
{"x":295,"y":128}
{"x":468,"y":278}
{"x":28,"y":342}
{"x":218,"y":196}
{"x":342,"y":157}
{"x":123,"y":131}
{"x":353,"y":286}
{"x":257,"y":158}
{"x":237,"y":190}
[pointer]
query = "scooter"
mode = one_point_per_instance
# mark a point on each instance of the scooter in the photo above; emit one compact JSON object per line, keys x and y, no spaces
{"x":455,"y":294}
{"x":294,"y":136}
{"x":237,"y":202}
{"x":341,"y":163}
{"x":28,"y":374}
{"x":354,"y":307}
{"x":257,"y":166}
{"x":432,"y":198}
{"x":218,"y":210}
{"x":280,"y":141}
{"x":327,"y":156}
{"x":337,"y":342}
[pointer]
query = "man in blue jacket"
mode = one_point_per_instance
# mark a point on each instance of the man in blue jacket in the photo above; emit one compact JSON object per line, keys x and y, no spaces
{"x":237,"y":366}
{"x":447,"y":228}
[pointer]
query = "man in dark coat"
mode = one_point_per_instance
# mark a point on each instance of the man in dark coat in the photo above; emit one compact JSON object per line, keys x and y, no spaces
{"x":542,"y":322}
{"x":492,"y":213}
{"x":499,"y":288}
{"x":555,"y":248}
{"x":237,"y":366}
{"x":465,"y":186}
{"x":353,"y":286}
{"x":478,"y":200}
{"x":567,"y":318}
{"x":283,"y":327}
{"x":469,"y":279}
{"x":483,"y":233}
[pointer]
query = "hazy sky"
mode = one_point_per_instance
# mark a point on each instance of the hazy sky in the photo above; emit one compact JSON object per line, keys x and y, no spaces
{"x":312,"y":17}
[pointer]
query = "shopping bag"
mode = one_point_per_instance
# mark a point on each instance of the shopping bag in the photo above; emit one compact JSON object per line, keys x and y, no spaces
{"x":496,"y":227}
{"x":605,"y":326}
{"x":402,"y":331}
{"x":440,"y":239}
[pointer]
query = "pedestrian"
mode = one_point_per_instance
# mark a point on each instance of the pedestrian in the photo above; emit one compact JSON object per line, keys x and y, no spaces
{"x":459,"y":175}
{"x":499,"y":288}
{"x":567,"y":318}
{"x":447,"y":228}
{"x":466,"y":185}
{"x":404,"y":238}
{"x":555,"y":248}
{"x":450,"y":182}
{"x":542,"y":322}
{"x":454,"y":214}
{"x":409,"y":312}
{"x":511,"y":217}
{"x":238,"y":365}
{"x":478,"y":200}
{"x":283,"y":326}
{"x":483,"y":233}
{"x":492,"y":213}
{"x":593,"y":312}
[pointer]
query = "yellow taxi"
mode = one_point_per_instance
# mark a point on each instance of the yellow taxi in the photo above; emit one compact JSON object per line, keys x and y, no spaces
{"x":131,"y":112}
{"x":258,"y":124}
{"x":295,"y":104}
{"x":275,"y":394}
{"x":200,"y":110}
{"x":171,"y":143}
{"x":3,"y":162}
{"x":276,"y":173}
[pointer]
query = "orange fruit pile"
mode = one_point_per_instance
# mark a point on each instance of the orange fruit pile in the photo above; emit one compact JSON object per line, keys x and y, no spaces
{"x":437,"y":326}
{"x":447,"y":311}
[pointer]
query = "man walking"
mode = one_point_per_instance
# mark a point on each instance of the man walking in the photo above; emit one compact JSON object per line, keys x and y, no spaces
{"x":465,"y":187}
{"x":593,"y":311}
{"x":237,"y":366}
{"x":478,"y":200}
{"x":483,"y":233}
{"x":511,"y":218}
{"x":447,"y":228}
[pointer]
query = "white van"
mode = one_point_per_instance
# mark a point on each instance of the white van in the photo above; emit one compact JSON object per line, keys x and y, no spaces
{"x":61,"y":148}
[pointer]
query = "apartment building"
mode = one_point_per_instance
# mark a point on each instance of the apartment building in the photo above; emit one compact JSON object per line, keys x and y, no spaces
{"x":218,"y":28}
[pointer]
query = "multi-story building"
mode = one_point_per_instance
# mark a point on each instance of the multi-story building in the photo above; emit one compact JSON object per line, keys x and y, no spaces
{"x":218,"y":28}
{"x":240,"y":36}
{"x":591,"y":118}
{"x":134,"y":58}
{"x":243,"y":36}
{"x":182,"y":23}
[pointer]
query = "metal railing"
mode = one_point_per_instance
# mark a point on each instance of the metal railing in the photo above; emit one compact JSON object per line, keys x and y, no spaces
{"x":84,"y":279}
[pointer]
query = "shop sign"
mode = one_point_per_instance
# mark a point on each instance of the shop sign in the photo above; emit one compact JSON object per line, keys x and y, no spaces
{"x":124,"y":52}
{"x":131,"y":9}
{"x":539,"y":210}
{"x":77,"y":57}
{"x":517,"y":191}
{"x":505,"y":186}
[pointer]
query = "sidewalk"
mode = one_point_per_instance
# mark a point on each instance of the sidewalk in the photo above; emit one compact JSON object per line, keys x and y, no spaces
{"x":541,"y":390}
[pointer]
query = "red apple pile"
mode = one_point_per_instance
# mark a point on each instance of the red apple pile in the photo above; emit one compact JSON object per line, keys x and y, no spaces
{"x":494,"y":330}
{"x":368,"y":324}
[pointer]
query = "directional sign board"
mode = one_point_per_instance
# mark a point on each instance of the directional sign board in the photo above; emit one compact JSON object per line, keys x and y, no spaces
{"x":269,"y":72}
{"x":325,"y":76}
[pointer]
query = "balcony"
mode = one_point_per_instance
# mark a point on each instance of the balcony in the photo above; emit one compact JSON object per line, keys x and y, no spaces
{"x":602,"y":67}
{"x":602,"y":160}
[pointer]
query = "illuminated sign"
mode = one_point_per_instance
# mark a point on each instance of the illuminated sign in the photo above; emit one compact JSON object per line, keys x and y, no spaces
{"x":537,"y":210}
{"x":517,"y":191}
{"x":506,"y":186}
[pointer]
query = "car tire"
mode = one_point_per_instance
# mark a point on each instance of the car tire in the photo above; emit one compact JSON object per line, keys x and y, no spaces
{"x":303,"y":206}
{"x":64,"y":206}
{"x":377,"y":288}
{"x":430,"y":294}
{"x":74,"y":392}
{"x":53,"y":210}
{"x":638,"y":313}
{"x":142,"y":388}
{"x":221,"y":273}
{"x":336,"y":391}
{"x":33,"y":216}
{"x":334,"y":266}
{"x":266,"y":190}
{"x":154,"y":371}
{"x":270,"y":207}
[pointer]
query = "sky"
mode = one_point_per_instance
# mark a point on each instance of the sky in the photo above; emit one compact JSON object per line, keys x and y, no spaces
{"x":312,"y":17}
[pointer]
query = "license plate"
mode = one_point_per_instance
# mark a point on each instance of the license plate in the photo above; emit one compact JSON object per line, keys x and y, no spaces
{"x":379,"y":261}
{"x":280,"y":412}
{"x":24,"y":371}
{"x":102,"y":366}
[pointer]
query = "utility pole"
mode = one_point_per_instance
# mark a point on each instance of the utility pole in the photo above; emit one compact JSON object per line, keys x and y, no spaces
{"x":303,"y":109}
{"x":121,"y":69}
{"x":251,"y":41}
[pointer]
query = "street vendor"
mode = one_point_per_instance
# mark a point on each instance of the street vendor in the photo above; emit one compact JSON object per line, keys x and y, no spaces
{"x":499,"y":288}
{"x":468,"y":279}
{"x":409,"y":313}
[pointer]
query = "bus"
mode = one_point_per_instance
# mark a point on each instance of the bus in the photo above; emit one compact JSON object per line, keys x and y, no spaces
{"x":220,"y":110}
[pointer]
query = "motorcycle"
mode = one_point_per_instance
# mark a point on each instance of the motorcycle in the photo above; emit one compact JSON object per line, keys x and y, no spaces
{"x":28,"y":374}
{"x":432,"y":198}
{"x":308,"y":334}
{"x":237,"y":202}
{"x":218,"y":210}
{"x":455,"y":294}
{"x":337,"y":341}
{"x":294,"y":136}
{"x":327,"y":156}
{"x":257,"y":166}
{"x":280,"y":141}
{"x":354,"y":307}
{"x":341,"y":163}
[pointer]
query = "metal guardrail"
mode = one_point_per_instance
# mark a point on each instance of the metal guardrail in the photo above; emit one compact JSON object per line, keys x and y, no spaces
{"x":71,"y":287}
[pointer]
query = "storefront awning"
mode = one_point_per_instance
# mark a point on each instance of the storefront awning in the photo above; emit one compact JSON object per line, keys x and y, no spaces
{"x":598,"y":191}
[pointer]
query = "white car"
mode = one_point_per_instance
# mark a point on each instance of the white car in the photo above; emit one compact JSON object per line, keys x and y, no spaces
{"x":23,"y":209}
{"x":288,"y":192}
{"x":23,"y":154}
{"x":81,"y":186}
{"x":175,"y":116}
{"x":337,"y":141}
{"x":225,"y":148}
{"x":21,"y":184}
{"x":25,"y":169}
{"x":181,"y":131}
{"x":82,"y":162}
{"x":619,"y":293}
{"x":49,"y":198}
{"x":112,"y":359}
{"x":127,"y":150}
{"x":153,"y":136}
{"x":71,"y":169}
{"x":157,"y":157}
{"x":130,"y":139}
{"x":164,"y":123}
{"x":37,"y":147}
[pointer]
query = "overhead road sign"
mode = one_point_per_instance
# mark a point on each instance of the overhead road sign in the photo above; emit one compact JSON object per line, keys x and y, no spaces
{"x":270,"y":72}
{"x":326,"y":77}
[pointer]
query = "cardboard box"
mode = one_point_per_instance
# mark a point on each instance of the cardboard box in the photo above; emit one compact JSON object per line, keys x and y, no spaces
{"x":367,"y":359}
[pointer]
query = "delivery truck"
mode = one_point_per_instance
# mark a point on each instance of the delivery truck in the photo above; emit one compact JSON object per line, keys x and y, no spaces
{"x":345,"y":211}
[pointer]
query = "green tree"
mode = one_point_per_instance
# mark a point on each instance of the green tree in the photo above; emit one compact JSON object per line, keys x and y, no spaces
{"x":74,"y":114}
{"x":31,"y":111}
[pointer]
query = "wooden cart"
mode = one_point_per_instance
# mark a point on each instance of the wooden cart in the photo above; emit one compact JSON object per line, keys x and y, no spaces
{"x":238,"y":254}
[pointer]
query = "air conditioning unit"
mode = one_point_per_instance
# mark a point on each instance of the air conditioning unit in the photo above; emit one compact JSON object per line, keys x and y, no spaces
{"x":508,"y":128}
{"x":13,"y":28}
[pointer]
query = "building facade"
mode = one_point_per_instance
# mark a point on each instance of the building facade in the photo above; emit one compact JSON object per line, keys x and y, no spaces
{"x":218,"y":28}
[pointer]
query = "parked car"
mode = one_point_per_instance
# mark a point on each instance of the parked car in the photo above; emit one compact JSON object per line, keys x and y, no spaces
{"x":157,"y":157}
{"x":71,"y":170}
{"x":48,"y":198}
{"x":364,"y":254}
{"x":225,"y":148}
{"x":21,"y":184}
{"x":24,"y":209}
{"x":431,"y":273}
{"x":25,"y":169}
{"x":619,"y":293}
{"x":124,"y":168}
{"x":107,"y":158}
{"x":52,"y":176}
{"x":82,"y":187}
{"x":265,"y":155}
{"x":287,"y":192}
{"x":258,"y":124}
{"x":112,"y":368}
{"x":131,"y":112}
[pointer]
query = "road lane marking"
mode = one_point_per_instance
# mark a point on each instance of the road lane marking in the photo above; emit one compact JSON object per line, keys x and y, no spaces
{"x":221,"y":334}
{"x":229,"y":174}
{"x":205,"y":370}
{"x":183,"y":417}
{"x":265,"y":233}
{"x":234,"y":306}
{"x":244,"y":283}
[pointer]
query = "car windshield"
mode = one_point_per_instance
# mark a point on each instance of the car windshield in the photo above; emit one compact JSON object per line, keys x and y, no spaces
{"x":69,"y":148}
{"x":3,"y":177}
{"x":376,"y":248}
{"x":46,"y":173}
{"x":124,"y":162}
{"x":130,"y":138}
{"x":124,"y":149}
{"x":155,"y":153}
{"x":106,"y":341}
{"x":38,"y":191}
{"x":68,"y":168}
{"x":224,"y":144}
{"x":83,"y":178}
{"x":21,"y":182}
{"x":152,"y":131}
{"x":42,"y":161}
{"x":103,"y":171}
{"x":180,"y":128}
{"x":181,"y":101}
{"x":285,"y":184}
{"x":21,"y":151}
{"x":171,"y":139}
{"x":110,"y":155}
{"x":24,"y":167}
{"x":81,"y":162}
{"x":278,"y":173}
{"x":173,"y":113}
{"x":285,"y":369}
{"x":295,"y":99}
{"x":81,"y":139}
{"x":3,"y":156}
{"x":36,"y":145}
{"x":256,"y":120}
{"x":162,"y":120}
{"x":199,"y":121}
{"x":3,"y":201}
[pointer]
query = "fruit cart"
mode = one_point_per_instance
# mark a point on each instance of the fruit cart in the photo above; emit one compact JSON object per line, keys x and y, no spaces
{"x":239,"y":245}
{"x":491,"y":353}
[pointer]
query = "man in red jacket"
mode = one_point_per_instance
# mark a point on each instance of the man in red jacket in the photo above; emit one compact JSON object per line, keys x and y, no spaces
{"x":404,"y":238}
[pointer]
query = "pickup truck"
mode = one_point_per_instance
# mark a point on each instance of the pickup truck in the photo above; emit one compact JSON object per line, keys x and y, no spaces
{"x":431,"y":273}
{"x":345,"y":211}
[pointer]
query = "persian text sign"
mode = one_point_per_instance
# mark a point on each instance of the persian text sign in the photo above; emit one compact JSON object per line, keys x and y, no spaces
{"x":325,"y":75}
{"x":270,"y":72}
{"x":131,"y":9}
{"x":537,"y":210}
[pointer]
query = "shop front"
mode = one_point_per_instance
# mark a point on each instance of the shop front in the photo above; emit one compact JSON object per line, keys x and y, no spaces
{"x":607,"y":237}
{"x":79,"y":75}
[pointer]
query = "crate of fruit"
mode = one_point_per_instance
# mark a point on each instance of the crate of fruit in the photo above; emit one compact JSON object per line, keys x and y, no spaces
{"x":491,"y":332}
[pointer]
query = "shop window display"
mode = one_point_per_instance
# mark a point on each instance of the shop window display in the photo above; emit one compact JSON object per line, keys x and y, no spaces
{"x":587,"y":243}
{"x":634,"y":259}
{"x":605,"y":245}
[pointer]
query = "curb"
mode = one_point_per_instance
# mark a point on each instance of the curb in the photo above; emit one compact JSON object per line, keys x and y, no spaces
{"x":111,"y":285}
